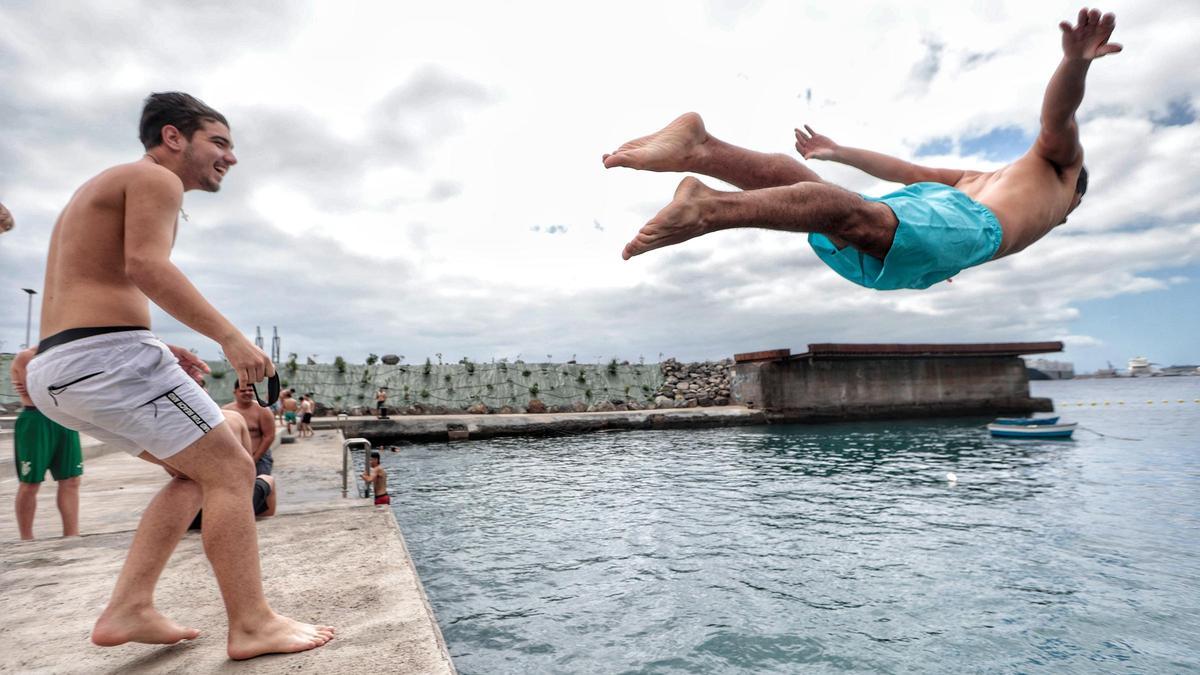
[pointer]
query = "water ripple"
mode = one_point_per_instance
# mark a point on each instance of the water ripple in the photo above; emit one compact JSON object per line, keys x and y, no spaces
{"x":839,"y":547}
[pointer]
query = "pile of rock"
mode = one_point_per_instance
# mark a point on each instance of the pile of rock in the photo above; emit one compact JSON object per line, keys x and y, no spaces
{"x":688,"y":385}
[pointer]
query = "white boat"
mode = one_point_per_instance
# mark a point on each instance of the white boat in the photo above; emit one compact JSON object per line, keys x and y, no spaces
{"x":1140,"y":366}
{"x":1032,"y":430}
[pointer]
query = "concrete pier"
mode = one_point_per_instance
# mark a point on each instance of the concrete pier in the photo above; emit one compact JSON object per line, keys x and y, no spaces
{"x":338,"y":561}
{"x":833,"y":382}
{"x":472,"y":427}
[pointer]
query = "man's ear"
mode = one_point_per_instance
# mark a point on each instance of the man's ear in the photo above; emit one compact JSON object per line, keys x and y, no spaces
{"x":173,"y":138}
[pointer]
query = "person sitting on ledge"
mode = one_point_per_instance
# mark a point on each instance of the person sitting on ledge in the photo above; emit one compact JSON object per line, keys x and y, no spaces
{"x":943,"y":221}
{"x":263,"y":498}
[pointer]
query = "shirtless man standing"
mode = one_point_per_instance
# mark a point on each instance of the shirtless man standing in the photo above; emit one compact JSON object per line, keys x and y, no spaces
{"x":101,"y":371}
{"x":41,"y":444}
{"x":306,"y":414}
{"x":381,"y":397}
{"x":944,"y":221}
{"x":290,"y":407}
{"x":261,"y":424}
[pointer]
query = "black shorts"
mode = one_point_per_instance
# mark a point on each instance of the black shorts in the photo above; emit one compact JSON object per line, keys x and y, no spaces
{"x":262,"y":490}
{"x":306,"y":419}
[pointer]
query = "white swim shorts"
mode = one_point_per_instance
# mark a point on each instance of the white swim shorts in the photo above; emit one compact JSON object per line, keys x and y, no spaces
{"x":122,"y":386}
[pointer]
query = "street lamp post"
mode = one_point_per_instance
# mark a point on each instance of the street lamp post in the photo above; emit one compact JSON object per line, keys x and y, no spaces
{"x":28,"y":315}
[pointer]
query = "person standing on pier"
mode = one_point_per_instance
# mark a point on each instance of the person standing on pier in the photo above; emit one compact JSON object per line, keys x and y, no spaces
{"x":381,"y":397}
{"x":290,"y":407}
{"x":101,"y":371}
{"x":307,"y":406}
{"x":41,"y":444}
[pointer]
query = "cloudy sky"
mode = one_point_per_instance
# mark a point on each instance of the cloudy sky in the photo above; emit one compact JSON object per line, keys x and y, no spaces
{"x":423,"y":178}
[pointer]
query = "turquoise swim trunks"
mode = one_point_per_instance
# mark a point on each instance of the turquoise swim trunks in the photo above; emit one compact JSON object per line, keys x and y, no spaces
{"x":942,"y":232}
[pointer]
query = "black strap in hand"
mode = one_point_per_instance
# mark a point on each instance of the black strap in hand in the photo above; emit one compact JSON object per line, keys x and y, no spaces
{"x":272,"y":392}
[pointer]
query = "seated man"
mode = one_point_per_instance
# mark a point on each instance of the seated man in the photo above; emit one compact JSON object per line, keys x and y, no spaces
{"x":259,"y":421}
{"x":944,"y":221}
{"x":264,"y":485}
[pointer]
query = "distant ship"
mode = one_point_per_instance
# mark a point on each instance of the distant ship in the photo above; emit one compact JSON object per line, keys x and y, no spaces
{"x":1140,"y":366}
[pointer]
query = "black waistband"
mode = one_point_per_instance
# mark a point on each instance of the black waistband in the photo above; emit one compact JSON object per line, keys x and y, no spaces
{"x":72,"y":334}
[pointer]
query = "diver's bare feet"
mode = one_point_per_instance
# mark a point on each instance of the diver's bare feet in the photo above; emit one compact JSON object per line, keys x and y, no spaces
{"x":277,"y":635}
{"x":684,"y":218}
{"x":676,"y":147}
{"x":116,"y":626}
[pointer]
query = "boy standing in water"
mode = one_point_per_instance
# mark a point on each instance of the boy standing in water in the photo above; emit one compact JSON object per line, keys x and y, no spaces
{"x":377,"y":476}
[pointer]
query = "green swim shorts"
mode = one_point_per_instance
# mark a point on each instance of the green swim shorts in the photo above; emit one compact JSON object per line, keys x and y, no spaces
{"x":289,"y":416}
{"x":40,"y":443}
{"x":941,"y":232}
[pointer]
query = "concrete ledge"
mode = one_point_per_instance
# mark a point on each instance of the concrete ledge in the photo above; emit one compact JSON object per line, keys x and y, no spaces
{"x":990,"y":408}
{"x":443,"y":427}
{"x":338,"y":561}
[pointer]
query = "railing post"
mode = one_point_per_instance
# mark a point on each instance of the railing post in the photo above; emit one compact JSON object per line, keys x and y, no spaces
{"x":345,"y":469}
{"x":345,"y":456}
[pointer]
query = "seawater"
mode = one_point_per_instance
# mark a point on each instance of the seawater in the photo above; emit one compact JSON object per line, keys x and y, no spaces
{"x":822,"y":548}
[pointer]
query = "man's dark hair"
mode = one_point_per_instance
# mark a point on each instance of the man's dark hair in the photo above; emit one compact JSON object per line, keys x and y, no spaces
{"x":180,"y":110}
{"x":374,"y":455}
{"x":1081,"y":184}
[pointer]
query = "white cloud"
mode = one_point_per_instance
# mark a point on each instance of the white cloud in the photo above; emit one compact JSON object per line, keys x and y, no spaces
{"x":1079,"y":341}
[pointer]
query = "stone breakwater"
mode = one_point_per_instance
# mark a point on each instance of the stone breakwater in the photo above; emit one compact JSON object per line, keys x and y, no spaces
{"x":690,"y":385}
{"x":514,"y":388}
{"x":685,"y":385}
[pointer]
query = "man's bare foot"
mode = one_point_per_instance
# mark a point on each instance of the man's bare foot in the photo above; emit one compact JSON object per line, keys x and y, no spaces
{"x":676,"y":147}
{"x":684,"y":218}
{"x":278,"y":635}
{"x":117,"y":626}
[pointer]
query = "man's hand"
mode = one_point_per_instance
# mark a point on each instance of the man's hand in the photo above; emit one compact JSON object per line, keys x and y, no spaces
{"x":6,"y":220}
{"x":1088,"y":39}
{"x":813,"y":145}
{"x":249,"y":362}
{"x":193,"y":365}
